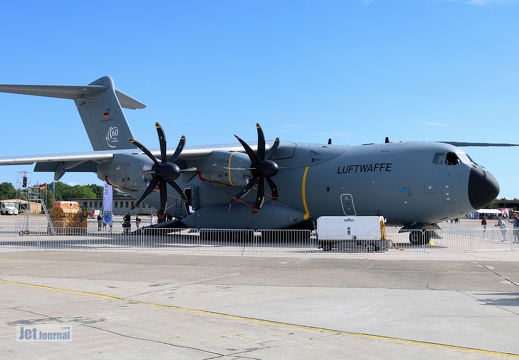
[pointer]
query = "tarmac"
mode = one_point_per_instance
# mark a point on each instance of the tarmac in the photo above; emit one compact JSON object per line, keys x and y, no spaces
{"x":142,"y":305}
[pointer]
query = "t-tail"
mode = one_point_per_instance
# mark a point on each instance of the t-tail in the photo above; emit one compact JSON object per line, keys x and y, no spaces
{"x":100,"y":107}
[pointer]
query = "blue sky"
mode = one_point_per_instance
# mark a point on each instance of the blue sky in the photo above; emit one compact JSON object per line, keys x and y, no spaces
{"x":307,"y":70}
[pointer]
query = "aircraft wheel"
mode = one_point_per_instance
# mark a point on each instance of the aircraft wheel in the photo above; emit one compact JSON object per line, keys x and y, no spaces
{"x":371,"y":247}
{"x":418,"y":237}
{"x":327,"y":245}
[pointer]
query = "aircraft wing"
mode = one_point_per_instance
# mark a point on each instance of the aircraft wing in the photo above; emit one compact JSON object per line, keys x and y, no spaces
{"x":195,"y":152}
{"x":465,"y":144}
{"x":55,"y":158}
{"x":60,"y":163}
{"x":102,"y":156}
{"x":88,"y":161}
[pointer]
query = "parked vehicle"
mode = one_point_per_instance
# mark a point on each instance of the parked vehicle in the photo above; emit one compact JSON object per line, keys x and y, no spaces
{"x":8,"y":208}
{"x":365,"y":233}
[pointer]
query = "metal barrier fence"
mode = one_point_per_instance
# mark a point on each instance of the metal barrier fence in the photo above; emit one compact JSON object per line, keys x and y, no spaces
{"x":452,"y":238}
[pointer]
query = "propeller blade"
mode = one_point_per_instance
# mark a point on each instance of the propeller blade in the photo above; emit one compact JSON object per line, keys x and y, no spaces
{"x":260,"y":153}
{"x":273,"y":149}
{"x":246,"y":189}
{"x":144,"y":150}
{"x":252,"y":156}
{"x":273,"y":188}
{"x":260,"y":196}
{"x":149,"y":189}
{"x":163,"y":196}
{"x":179,"y":190}
{"x":163,"y":172}
{"x":179,"y":149}
{"x":261,"y":167}
{"x":162,"y":142}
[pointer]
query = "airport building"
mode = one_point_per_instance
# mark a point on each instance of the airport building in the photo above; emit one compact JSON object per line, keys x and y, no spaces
{"x":121,"y":205}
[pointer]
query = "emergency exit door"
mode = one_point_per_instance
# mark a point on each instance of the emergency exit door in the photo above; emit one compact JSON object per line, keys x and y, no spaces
{"x":348,"y":206}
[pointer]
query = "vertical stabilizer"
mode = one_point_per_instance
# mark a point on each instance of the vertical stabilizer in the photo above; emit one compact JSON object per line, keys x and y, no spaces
{"x":103,"y":117}
{"x":99,"y":105}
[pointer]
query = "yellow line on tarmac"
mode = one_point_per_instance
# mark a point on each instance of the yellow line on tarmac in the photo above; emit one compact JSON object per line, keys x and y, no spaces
{"x":107,"y":297}
{"x":269,"y":322}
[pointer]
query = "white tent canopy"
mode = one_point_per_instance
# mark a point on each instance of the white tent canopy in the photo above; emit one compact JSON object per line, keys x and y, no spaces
{"x":489,"y":211}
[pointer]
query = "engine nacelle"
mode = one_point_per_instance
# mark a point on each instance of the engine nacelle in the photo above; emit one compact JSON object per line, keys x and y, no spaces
{"x":223,"y":167}
{"x":126,"y":171}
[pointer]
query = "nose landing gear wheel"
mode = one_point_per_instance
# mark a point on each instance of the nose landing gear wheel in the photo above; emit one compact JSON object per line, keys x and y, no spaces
{"x":326,"y":246}
{"x":419,"y":237}
{"x":371,"y":247}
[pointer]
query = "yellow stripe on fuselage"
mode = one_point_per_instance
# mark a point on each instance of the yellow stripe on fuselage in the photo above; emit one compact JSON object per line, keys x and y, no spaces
{"x":303,"y":194}
{"x":229,"y":168}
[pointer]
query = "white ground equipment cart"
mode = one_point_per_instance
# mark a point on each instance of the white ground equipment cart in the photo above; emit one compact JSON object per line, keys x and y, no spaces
{"x":356,"y":233}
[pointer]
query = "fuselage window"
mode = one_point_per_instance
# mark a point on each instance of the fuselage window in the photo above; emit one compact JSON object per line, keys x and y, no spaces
{"x":438,"y":158}
{"x":452,"y":159}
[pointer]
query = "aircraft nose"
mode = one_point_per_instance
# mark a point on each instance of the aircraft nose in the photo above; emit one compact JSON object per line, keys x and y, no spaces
{"x":483,"y":188}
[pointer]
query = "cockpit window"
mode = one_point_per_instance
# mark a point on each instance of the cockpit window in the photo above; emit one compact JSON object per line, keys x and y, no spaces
{"x":438,"y":158}
{"x":452,"y":159}
{"x":449,"y":159}
{"x":465,"y":158}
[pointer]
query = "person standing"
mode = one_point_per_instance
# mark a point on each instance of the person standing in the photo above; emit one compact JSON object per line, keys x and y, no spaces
{"x":137,"y":221}
{"x":484,"y":224}
{"x":501,"y":224}
{"x":99,"y":222}
{"x":515,"y":221}
{"x":127,"y":223}
{"x":127,"y":217}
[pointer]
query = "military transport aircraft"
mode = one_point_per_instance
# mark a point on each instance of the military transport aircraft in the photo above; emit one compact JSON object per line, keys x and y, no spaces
{"x":267,"y":184}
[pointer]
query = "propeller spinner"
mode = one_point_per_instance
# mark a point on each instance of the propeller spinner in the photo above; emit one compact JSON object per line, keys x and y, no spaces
{"x":261,"y":168}
{"x":164,"y":171}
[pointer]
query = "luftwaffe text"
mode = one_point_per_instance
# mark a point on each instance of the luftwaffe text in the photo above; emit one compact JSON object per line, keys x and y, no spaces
{"x":362,"y":168}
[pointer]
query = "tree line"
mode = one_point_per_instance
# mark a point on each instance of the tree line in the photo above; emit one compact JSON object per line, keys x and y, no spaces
{"x":57,"y":192}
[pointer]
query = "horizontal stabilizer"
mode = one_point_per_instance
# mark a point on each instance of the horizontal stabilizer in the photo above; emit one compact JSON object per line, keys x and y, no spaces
{"x":128,"y":102}
{"x":71,"y":92}
{"x":100,"y":106}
